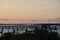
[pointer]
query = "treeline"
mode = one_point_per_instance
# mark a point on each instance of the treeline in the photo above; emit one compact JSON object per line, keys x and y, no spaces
{"x":36,"y":34}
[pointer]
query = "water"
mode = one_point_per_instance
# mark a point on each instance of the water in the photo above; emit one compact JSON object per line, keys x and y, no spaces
{"x":23,"y":30}
{"x":10,"y":30}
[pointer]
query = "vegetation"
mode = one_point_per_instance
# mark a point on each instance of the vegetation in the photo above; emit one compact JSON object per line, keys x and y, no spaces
{"x":38,"y":34}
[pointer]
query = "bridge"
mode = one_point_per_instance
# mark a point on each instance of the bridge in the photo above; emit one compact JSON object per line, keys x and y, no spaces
{"x":17,"y":27}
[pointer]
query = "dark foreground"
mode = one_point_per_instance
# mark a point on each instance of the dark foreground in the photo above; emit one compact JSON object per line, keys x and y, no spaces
{"x":37,"y":34}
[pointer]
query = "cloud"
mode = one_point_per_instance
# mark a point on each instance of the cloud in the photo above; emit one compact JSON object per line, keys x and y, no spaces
{"x":52,"y":20}
{"x":5,"y":19}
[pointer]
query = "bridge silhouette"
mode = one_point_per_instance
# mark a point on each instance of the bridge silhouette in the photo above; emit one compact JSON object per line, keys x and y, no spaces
{"x":17,"y":27}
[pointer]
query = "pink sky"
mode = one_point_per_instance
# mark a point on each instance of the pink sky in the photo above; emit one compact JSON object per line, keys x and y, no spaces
{"x":28,"y":10}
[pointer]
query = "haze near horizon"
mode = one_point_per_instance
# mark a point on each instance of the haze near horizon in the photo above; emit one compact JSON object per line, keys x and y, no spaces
{"x":13,"y":11}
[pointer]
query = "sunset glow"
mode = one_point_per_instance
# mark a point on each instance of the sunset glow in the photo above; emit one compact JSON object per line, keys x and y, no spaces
{"x":17,"y":10}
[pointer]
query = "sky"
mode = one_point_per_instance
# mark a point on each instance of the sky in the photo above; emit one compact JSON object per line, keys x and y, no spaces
{"x":17,"y":11}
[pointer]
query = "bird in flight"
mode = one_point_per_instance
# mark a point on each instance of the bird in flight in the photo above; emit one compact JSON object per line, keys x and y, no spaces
{"x":41,"y":5}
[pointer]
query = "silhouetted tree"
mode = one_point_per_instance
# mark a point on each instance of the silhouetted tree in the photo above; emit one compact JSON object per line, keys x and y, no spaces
{"x":39,"y":34}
